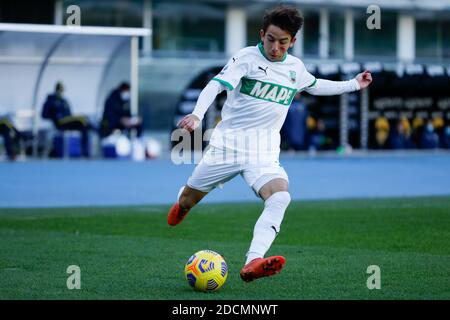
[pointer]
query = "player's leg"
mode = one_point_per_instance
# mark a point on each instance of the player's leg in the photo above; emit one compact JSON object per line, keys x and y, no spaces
{"x":187,"y":199}
{"x":272,"y":187}
{"x":207,"y":175}
{"x":276,"y":198}
{"x":74,"y":122}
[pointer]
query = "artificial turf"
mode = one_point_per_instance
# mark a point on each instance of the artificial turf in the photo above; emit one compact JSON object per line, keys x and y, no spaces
{"x":131,"y":252}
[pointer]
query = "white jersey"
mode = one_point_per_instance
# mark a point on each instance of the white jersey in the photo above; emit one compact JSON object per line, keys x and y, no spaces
{"x":259,"y":94}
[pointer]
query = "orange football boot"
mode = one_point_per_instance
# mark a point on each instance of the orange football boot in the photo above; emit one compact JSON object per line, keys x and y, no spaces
{"x":262,"y":267}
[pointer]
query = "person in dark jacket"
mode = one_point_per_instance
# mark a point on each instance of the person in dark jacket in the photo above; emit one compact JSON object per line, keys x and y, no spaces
{"x":57,"y":109}
{"x":400,"y":137}
{"x":117,"y":113}
{"x":11,"y":137}
{"x":445,"y":136}
{"x":429,"y":139}
{"x":294,"y":130}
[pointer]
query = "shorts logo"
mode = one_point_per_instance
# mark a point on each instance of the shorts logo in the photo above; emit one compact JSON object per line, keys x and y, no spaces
{"x":267,"y":91}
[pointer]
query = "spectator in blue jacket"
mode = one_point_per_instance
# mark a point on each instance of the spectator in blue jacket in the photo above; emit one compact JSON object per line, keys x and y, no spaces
{"x":294,"y":130}
{"x":400,"y":137}
{"x":429,"y":139}
{"x":57,"y":109}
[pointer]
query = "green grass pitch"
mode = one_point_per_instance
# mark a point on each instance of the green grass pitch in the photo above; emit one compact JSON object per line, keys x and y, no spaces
{"x":131,"y":252}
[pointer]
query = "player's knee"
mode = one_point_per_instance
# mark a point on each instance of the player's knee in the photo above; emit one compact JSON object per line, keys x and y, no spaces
{"x":279,"y":199}
{"x":276,"y":205}
{"x":286,"y":198}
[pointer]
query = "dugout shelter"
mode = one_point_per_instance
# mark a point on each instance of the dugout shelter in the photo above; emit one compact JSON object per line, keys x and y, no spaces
{"x":90,"y":61}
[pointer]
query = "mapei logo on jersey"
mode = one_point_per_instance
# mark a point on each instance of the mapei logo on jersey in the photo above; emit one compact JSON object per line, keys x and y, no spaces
{"x":267,"y":91}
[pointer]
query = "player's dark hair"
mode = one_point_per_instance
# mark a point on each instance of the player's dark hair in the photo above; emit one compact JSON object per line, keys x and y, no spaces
{"x":286,"y":18}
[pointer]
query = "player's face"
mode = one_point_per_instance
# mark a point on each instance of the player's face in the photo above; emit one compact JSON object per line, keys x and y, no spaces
{"x":276,"y":42}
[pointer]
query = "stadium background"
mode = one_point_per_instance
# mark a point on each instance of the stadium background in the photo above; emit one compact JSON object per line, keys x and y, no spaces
{"x":343,"y":149}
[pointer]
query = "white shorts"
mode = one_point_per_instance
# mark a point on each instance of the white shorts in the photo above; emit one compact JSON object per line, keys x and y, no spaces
{"x":211,"y":172}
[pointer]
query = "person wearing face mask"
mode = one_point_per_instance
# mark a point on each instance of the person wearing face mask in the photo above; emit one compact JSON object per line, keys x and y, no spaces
{"x":117,"y":113}
{"x":57,"y":109}
{"x":429,"y":138}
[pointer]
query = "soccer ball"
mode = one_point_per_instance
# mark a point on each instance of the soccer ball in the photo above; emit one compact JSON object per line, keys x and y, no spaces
{"x":206,"y":270}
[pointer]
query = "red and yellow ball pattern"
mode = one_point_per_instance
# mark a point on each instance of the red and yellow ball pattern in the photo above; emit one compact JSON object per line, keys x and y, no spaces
{"x":206,"y":270}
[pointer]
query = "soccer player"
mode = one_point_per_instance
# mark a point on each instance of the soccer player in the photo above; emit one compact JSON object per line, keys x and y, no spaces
{"x":261,"y":82}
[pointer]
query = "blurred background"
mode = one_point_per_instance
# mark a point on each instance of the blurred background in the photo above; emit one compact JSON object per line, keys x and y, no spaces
{"x":133,"y":68}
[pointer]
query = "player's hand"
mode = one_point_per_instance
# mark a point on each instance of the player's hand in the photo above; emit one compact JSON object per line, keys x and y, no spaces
{"x":364,"y":79}
{"x":189,"y":122}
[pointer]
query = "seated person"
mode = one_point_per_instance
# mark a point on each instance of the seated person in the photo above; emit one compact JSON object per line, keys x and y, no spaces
{"x":429,"y":139}
{"x":11,"y":137}
{"x":382,"y":128}
{"x":400,"y":137}
{"x":294,"y":131}
{"x":445,"y":136}
{"x":318,"y":139}
{"x":418,"y":126}
{"x":117,"y":113}
{"x":57,"y":109}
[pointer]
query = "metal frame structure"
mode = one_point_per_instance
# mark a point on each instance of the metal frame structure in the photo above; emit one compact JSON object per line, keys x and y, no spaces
{"x":64,"y":33}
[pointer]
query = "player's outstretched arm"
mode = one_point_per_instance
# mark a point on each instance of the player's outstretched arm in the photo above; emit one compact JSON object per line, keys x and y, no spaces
{"x":323,"y":87}
{"x":205,"y":99}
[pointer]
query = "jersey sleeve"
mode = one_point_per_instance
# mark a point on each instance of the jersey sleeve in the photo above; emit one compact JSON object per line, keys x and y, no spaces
{"x":306,"y":79}
{"x":236,"y":68}
{"x":206,"y":98}
{"x":323,"y":87}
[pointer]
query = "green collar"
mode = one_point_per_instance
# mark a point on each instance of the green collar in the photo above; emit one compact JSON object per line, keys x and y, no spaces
{"x":261,"y":49}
